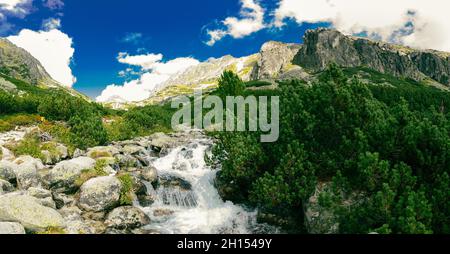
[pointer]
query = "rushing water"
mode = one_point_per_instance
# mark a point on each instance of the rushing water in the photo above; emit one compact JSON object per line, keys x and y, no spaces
{"x":190,"y":204}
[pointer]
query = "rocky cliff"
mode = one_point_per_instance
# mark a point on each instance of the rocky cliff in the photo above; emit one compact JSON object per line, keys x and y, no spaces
{"x":324,"y":46}
{"x":274,"y":59}
{"x":17,"y":63}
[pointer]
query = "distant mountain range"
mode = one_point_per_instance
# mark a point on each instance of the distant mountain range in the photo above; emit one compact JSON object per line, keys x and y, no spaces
{"x":275,"y":61}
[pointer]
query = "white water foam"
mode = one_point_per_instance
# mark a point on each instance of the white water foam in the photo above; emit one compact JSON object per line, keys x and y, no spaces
{"x":209,"y":213}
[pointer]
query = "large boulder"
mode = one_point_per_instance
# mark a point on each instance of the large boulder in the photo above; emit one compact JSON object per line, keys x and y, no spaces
{"x":63,"y":176}
{"x":29,"y":212}
{"x":99,"y":194}
{"x":27,"y":172}
{"x":7,"y":170}
{"x":126,"y":217}
{"x":11,"y":228}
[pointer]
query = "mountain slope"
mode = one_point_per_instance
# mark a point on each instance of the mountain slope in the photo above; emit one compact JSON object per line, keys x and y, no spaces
{"x":19,"y":70}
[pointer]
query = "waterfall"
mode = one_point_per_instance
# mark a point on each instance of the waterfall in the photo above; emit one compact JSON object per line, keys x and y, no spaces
{"x":187,"y":201}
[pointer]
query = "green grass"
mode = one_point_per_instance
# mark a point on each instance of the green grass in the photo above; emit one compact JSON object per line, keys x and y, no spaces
{"x":87,"y":174}
{"x":30,"y":145}
{"x":9,"y":122}
{"x":52,"y":231}
{"x":126,"y":193}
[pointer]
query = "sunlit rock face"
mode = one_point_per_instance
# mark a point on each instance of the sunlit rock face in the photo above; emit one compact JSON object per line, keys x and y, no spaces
{"x":325,"y":46}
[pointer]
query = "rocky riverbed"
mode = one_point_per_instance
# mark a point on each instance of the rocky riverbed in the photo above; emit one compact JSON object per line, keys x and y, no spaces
{"x":165,"y":177}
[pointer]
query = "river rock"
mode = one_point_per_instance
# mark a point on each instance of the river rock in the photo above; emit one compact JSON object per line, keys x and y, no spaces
{"x":29,"y":212}
{"x":161,"y":140}
{"x":63,"y":176}
{"x":11,"y":228}
{"x":127,"y":217}
{"x":133,"y":150}
{"x":99,"y":194}
{"x":149,"y":174}
{"x":174,"y":181}
{"x":162,"y":212}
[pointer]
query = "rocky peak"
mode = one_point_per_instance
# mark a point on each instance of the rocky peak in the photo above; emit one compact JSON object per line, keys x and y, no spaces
{"x":18,"y":64}
{"x":274,"y":59}
{"x":324,"y":46}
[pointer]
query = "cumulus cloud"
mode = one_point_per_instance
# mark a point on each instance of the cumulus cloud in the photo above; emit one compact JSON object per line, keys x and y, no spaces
{"x":154,"y":73}
{"x":416,"y":23}
{"x":52,"y":48}
{"x":251,"y":20}
{"x":51,"y":23}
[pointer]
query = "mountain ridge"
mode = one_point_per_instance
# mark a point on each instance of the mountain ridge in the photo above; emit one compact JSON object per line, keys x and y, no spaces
{"x":19,"y":65}
{"x":321,"y":47}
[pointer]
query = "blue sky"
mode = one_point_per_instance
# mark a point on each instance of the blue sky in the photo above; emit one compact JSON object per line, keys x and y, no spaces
{"x":91,"y":34}
{"x":172,"y":28}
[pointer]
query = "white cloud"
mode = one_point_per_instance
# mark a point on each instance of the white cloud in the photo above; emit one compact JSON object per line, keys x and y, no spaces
{"x":417,"y":23}
{"x":51,"y":23}
{"x":155,"y":73}
{"x":18,"y":8}
{"x":52,"y":48}
{"x":251,"y":21}
{"x":146,"y":62}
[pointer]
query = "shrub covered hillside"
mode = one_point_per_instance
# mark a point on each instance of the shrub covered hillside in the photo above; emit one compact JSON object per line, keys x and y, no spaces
{"x":75,"y":121}
{"x":374,"y":158}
